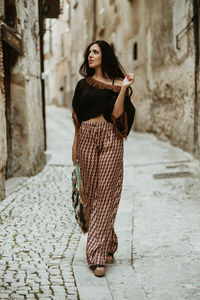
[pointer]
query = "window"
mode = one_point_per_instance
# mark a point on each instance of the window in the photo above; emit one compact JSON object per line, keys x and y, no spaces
{"x":135,"y":51}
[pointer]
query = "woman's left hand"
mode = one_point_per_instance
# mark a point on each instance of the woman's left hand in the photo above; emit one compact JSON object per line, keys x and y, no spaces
{"x":128,"y":80}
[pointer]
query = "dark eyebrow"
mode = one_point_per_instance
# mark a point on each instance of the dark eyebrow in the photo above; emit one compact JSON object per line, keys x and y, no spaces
{"x":93,"y":50}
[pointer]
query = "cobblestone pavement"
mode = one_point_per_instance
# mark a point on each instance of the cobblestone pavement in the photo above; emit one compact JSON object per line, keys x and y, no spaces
{"x":38,"y":233}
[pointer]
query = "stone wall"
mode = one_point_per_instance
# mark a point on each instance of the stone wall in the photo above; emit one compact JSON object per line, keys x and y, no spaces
{"x":26,"y":106}
{"x":171,"y":73}
{"x":24,"y":121}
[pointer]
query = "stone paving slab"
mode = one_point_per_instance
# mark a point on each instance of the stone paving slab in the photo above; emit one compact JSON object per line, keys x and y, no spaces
{"x":89,"y":286}
{"x":80,"y":254}
{"x":166,"y":231}
{"x":123,"y":283}
{"x":14,"y":184}
{"x":120,"y":281}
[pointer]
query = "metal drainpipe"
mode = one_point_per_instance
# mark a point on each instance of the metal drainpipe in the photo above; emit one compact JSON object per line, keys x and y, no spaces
{"x":196,"y":80}
{"x":41,"y":28}
{"x":94,"y":20}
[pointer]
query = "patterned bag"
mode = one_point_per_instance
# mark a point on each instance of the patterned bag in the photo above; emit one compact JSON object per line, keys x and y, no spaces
{"x":79,"y":202}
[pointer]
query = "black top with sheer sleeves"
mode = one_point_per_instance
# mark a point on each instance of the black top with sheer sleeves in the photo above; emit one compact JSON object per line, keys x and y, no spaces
{"x":93,"y":98}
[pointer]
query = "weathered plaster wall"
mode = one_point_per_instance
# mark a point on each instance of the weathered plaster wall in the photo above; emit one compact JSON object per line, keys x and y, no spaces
{"x":21,"y":97}
{"x":164,"y":90}
{"x":57,"y":59}
{"x":26,"y":106}
{"x":171,"y":91}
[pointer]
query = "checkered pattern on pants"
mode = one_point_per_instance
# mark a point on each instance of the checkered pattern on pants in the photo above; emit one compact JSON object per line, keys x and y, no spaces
{"x":100,"y":154}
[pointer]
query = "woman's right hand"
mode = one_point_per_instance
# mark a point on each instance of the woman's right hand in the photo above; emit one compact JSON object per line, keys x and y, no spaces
{"x":128,"y":80}
{"x":74,"y":153}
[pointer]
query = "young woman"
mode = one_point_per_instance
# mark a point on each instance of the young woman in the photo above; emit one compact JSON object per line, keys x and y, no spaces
{"x":103,"y":115}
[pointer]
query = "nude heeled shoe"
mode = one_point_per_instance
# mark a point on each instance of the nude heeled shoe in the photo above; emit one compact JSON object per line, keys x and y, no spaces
{"x":98,"y":270}
{"x":110,"y":258}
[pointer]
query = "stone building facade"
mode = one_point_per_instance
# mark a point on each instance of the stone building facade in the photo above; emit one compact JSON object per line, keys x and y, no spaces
{"x":159,"y":42}
{"x":22,"y":125}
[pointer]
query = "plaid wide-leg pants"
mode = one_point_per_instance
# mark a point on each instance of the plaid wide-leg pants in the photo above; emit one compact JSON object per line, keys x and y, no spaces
{"x":100,"y":154}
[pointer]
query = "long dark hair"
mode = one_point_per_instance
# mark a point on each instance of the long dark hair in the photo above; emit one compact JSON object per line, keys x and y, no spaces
{"x":110,"y":66}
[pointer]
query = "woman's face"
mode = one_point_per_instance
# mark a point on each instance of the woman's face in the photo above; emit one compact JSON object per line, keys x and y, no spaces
{"x":95,"y":56}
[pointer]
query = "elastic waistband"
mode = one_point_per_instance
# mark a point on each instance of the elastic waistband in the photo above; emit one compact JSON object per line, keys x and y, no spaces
{"x":97,"y":124}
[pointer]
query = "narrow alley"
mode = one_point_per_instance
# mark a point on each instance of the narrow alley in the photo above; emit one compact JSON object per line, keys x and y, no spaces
{"x":42,"y":249}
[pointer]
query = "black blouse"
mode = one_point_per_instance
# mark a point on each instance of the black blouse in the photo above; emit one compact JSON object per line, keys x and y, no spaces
{"x":93,"y":98}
